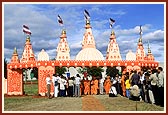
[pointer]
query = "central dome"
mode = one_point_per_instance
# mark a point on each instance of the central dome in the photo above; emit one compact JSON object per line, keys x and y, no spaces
{"x":43,"y":56}
{"x":130,"y":56}
{"x":89,"y":54}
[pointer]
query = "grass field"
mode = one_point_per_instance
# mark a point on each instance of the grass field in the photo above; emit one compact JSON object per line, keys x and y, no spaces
{"x":30,"y":103}
{"x":124,"y":104}
{"x":31,"y":89}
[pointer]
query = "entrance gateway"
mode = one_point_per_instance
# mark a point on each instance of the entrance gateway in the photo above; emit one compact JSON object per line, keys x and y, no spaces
{"x":89,"y":56}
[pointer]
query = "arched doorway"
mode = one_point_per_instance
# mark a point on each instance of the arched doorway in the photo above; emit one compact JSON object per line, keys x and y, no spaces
{"x":30,"y":81}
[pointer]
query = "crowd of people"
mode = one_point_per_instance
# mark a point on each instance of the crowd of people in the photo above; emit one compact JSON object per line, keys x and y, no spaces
{"x":147,"y":86}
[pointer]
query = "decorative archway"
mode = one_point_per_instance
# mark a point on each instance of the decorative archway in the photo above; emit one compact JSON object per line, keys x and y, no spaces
{"x":15,"y":77}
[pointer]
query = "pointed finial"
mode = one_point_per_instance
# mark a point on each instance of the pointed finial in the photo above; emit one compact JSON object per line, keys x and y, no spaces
{"x":63,"y":31}
{"x":112,"y":32}
{"x":140,"y":40}
{"x":28,"y":39}
{"x":87,"y":22}
{"x":15,"y":51}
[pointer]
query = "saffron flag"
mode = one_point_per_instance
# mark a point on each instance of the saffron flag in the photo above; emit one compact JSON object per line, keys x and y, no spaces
{"x":60,"y":21}
{"x":111,"y":22}
{"x":86,"y":14}
{"x":26,"y":30}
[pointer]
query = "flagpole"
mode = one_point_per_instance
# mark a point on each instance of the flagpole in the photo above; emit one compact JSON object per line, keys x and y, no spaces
{"x":25,"y":68}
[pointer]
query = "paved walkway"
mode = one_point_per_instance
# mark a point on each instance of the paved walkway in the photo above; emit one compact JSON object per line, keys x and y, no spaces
{"x":90,"y":103}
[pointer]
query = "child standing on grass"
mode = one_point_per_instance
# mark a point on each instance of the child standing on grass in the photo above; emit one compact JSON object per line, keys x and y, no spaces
{"x":128,"y":85}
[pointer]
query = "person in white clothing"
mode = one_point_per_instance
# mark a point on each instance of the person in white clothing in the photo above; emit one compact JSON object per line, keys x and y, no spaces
{"x":70,"y":87}
{"x":160,"y":85}
{"x":66,"y":86}
{"x":134,"y":93}
{"x":154,"y":79}
{"x":77,"y":85}
{"x":48,"y":82}
{"x":62,"y":86}
{"x":101,"y":86}
{"x":56,"y":80}
{"x":112,"y":92}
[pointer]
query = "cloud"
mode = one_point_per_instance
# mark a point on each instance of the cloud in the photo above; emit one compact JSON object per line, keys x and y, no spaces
{"x":42,"y":21}
{"x":161,"y":48}
{"x":157,"y":35}
{"x":102,"y":10}
{"x":134,"y":31}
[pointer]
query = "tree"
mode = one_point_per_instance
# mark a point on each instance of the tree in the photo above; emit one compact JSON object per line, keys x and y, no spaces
{"x":60,"y":70}
{"x":82,"y":70}
{"x":92,"y":71}
{"x":35,"y":71}
{"x":5,"y":68}
{"x":111,"y":71}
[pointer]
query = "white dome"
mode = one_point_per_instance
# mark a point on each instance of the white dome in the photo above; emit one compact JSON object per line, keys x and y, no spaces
{"x":89,"y":54}
{"x":43,"y":56}
{"x":130,"y":56}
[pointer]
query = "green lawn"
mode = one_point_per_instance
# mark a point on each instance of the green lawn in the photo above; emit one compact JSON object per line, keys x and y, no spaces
{"x":124,"y":104}
{"x":28,"y":103}
{"x":31,"y":89}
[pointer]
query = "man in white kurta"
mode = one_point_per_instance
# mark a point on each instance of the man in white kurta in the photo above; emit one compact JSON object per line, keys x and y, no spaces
{"x":56,"y":80}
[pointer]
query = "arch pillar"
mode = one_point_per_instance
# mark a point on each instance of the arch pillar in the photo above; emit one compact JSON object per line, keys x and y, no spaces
{"x":14,"y":82}
{"x":43,"y":71}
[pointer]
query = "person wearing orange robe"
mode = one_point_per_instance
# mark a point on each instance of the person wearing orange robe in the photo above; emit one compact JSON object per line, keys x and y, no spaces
{"x":107,"y":84}
{"x":94,"y":86}
{"x":123,"y":83}
{"x":86,"y":87}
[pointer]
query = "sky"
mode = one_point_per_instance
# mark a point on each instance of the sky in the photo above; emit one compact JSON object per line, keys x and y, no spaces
{"x":43,"y":23}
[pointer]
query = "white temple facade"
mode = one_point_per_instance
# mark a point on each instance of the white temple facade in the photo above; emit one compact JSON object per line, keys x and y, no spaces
{"x":28,"y":54}
{"x":43,"y":56}
{"x":113,"y":51}
{"x":130,"y":56}
{"x":63,"y":50}
{"x":89,"y":51}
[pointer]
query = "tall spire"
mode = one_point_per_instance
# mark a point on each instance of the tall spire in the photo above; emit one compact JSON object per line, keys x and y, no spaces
{"x":88,"y":38}
{"x":150,"y":56}
{"x":28,"y":53}
{"x":113,"y":52}
{"x":140,"y":53}
{"x":89,"y":51}
{"x":15,"y":58}
{"x":63,"y":50}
